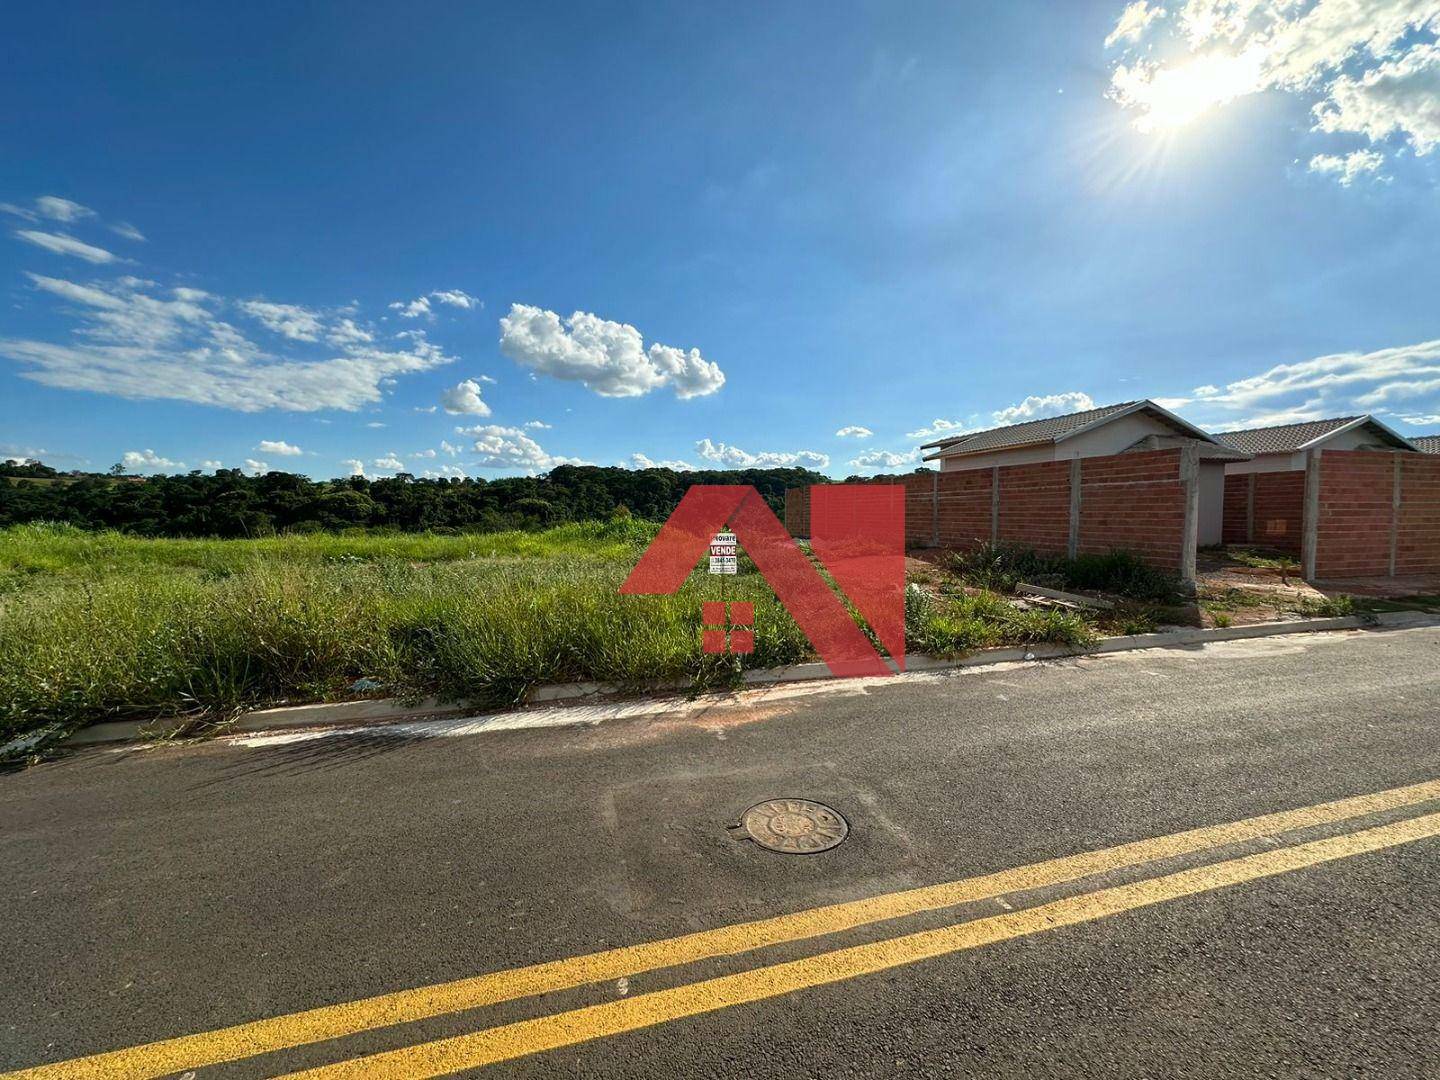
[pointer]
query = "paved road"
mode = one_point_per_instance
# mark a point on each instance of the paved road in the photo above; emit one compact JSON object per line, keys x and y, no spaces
{"x":181,"y":891}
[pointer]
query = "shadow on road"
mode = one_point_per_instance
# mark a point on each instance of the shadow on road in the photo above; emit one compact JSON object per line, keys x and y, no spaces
{"x":312,"y":754}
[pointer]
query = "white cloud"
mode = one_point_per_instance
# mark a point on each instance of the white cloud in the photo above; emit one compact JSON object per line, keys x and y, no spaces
{"x":134,"y":344}
{"x":66,"y":245}
{"x":1133,"y":21}
{"x":734,"y":457}
{"x":607,"y":357}
{"x":1205,"y":391}
{"x":211,"y":463}
{"x":1171,"y":403}
{"x":456,"y":298}
{"x":256,"y":468}
{"x":1422,"y":421}
{"x":884,"y":459}
{"x":450,"y":448}
{"x":1349,"y":167}
{"x":941,"y":429}
{"x":1365,"y":65}
{"x":380,"y":423}
{"x":510,"y":448}
{"x":423,"y":454}
{"x":148,"y":461}
{"x":640,"y":461}
{"x":1339,"y":384}
{"x":58,"y":209}
{"x":464,"y":398}
{"x":19,"y":211}
{"x":278,"y":446}
{"x":1400,"y":97}
{"x":288,"y":320}
{"x":538,"y":425}
{"x":344,"y":332}
{"x":390,"y":461}
{"x":128,"y":231}
{"x":355,"y":465}
{"x":1037,"y":408}
{"x":420,"y":306}
{"x":446,"y":472}
{"x":854,"y":431}
{"x":1399,"y":390}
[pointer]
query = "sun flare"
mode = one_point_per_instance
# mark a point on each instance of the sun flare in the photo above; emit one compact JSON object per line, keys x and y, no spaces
{"x":1171,"y":97}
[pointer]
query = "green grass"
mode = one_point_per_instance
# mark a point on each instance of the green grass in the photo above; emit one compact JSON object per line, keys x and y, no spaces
{"x":1000,"y":567}
{"x":99,"y":626}
{"x":1261,"y":558}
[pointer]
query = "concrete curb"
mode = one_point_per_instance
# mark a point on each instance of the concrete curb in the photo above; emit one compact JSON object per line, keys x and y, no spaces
{"x":388,"y":709}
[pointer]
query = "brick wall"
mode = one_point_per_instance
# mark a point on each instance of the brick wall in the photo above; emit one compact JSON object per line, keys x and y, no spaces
{"x":1417,"y":540}
{"x":1035,"y":506}
{"x":1359,"y":527}
{"x":1279,"y":509}
{"x":797,"y":512}
{"x":1135,"y":502}
{"x":1236,"y":525}
{"x":965,"y":504}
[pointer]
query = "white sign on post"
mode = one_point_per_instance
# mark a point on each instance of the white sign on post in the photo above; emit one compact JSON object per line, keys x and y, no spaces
{"x":724,"y":554}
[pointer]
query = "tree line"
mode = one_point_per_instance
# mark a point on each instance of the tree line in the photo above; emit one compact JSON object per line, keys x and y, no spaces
{"x":228,"y":503}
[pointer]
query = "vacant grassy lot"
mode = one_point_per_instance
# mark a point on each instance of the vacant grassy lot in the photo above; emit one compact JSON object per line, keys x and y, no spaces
{"x":97,"y":626}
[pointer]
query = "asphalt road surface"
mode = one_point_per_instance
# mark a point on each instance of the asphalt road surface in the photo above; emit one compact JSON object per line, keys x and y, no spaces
{"x":1149,"y":864}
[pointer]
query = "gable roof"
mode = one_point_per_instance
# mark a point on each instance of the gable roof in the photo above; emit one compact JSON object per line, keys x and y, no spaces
{"x":1052,"y":429}
{"x":1426,"y":444}
{"x":1288,"y":438}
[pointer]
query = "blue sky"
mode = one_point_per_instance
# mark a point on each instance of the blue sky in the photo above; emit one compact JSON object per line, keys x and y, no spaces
{"x":364,"y":237}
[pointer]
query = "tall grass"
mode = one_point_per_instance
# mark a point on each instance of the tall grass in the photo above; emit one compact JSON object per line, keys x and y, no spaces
{"x":97,"y":626}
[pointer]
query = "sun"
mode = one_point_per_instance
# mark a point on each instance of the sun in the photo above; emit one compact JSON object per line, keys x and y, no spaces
{"x":1171,"y":97}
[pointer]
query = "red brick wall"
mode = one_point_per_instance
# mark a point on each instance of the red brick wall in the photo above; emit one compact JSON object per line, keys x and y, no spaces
{"x":1352,"y":536}
{"x":919,"y":509}
{"x":965,"y":505}
{"x":1035,"y":506}
{"x":1417,"y":539}
{"x":1236,"y":523}
{"x":1279,"y":509}
{"x":797,"y":512}
{"x":1134,"y":502}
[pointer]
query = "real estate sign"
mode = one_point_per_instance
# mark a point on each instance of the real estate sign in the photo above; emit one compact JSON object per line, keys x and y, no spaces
{"x":724,"y":554}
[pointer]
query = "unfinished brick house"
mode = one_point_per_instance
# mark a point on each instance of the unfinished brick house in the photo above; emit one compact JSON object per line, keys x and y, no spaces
{"x":1350,"y":496}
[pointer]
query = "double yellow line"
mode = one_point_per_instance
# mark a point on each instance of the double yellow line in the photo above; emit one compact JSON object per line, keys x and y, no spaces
{"x":509,"y":1041}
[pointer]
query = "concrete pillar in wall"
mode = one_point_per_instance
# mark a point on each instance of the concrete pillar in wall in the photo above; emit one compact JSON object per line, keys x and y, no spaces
{"x":1310,"y":515}
{"x":1190,"y":531}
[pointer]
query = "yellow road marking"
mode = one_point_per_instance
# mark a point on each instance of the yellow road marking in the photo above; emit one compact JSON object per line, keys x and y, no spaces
{"x":510,"y":1041}
{"x":335,"y":1021}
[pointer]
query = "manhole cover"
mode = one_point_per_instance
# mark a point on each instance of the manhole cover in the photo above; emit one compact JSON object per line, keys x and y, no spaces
{"x":794,"y":826}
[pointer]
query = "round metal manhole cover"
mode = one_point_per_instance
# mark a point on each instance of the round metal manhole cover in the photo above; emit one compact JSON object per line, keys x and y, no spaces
{"x":794,"y":826}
